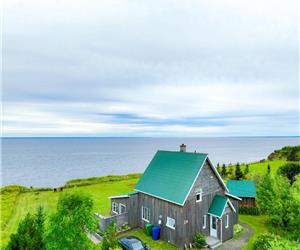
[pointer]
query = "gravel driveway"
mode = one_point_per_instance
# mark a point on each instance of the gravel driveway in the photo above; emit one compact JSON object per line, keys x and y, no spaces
{"x":240,"y":242}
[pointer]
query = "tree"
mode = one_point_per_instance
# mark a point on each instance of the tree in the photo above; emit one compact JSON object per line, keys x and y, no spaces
{"x":265,"y":193}
{"x":246,"y":171}
{"x":40,"y":221}
{"x":238,"y":172}
{"x":230,"y":170}
{"x":224,"y":171}
{"x":269,"y":169}
{"x":290,"y":170}
{"x":68,"y":226}
{"x":29,"y":234}
{"x":218,"y":168}
{"x":110,"y":240}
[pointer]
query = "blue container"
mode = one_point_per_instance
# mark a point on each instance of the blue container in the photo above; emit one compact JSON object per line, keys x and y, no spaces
{"x":155,"y":232}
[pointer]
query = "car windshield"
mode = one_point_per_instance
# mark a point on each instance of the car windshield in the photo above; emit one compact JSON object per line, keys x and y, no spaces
{"x":137,"y":246}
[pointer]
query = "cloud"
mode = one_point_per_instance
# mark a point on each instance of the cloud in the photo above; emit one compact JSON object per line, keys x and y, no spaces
{"x":122,"y":68}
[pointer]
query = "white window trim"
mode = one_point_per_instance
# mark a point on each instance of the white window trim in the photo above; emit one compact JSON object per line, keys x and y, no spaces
{"x":122,"y":205}
{"x":169,"y":226}
{"x":114,"y":205}
{"x":143,"y":215}
{"x":227,"y":221}
{"x":199,"y":193}
{"x":204,"y":219}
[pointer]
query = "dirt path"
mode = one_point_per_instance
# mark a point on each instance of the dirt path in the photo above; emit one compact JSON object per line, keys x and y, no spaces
{"x":240,"y":242}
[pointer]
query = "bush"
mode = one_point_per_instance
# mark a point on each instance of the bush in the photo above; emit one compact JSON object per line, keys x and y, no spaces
{"x":263,"y":242}
{"x":271,"y":242}
{"x":199,"y":240}
{"x":237,"y":230}
{"x":249,"y":210}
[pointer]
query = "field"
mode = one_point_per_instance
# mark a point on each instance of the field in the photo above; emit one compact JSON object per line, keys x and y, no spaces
{"x":17,"y":201}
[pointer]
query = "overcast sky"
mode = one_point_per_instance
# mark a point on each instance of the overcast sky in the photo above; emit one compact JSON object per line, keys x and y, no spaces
{"x":150,"y":68}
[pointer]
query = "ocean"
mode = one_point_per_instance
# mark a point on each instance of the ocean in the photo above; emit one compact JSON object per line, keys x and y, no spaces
{"x":50,"y":162}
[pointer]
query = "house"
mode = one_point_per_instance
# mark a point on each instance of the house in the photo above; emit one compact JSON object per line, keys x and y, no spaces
{"x":245,"y":190}
{"x":184,"y":194}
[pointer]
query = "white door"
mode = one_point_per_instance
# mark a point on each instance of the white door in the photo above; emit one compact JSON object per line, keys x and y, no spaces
{"x":213,"y":226}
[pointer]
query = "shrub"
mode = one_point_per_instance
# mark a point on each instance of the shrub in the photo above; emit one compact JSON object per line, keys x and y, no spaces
{"x":249,"y":210}
{"x":237,"y":230}
{"x":271,"y":242}
{"x":199,"y":240}
{"x":263,"y":242}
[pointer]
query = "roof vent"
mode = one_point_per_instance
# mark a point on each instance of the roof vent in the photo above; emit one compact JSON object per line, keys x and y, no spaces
{"x":182,"y":148}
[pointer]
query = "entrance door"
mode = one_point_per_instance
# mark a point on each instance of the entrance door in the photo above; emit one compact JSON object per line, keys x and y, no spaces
{"x":213,"y":226}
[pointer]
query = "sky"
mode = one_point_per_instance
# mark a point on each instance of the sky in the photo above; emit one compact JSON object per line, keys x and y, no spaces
{"x":197,"y":68}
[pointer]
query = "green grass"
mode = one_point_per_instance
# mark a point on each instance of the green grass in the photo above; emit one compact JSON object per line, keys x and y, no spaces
{"x":15,"y":204}
{"x":258,"y":225}
{"x":153,"y":244}
{"x":261,"y":167}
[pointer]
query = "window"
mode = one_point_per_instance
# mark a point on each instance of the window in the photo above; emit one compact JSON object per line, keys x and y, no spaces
{"x":170,"y":223}
{"x":146,"y":214}
{"x":204,"y":221}
{"x":122,"y":208}
{"x":199,"y":196}
{"x":226,"y":220}
{"x":115,"y":207}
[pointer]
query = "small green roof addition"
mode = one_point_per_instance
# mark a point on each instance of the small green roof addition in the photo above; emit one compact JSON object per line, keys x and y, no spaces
{"x":170,"y":175}
{"x":242,"y":188}
{"x":217,"y":207}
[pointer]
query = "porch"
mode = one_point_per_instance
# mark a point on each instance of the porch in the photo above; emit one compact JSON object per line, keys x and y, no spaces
{"x":212,"y":242}
{"x":119,"y":219}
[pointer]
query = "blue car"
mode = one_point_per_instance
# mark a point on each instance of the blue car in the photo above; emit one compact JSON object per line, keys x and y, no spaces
{"x":132,"y":243}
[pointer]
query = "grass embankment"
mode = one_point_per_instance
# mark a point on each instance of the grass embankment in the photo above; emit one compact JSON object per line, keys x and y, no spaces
{"x":17,"y":201}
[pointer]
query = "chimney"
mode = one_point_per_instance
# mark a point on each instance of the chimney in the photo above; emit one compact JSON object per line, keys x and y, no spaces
{"x":182,"y":148}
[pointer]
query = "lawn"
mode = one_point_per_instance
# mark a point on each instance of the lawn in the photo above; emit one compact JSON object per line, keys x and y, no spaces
{"x":153,"y":244}
{"x":261,"y":167}
{"x":258,"y":225}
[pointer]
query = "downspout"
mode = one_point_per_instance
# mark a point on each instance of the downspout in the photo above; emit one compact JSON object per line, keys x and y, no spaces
{"x":221,"y":230}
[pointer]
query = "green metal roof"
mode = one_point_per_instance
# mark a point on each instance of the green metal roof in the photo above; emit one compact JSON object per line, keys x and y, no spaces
{"x":217,"y":206}
{"x":242,"y":188}
{"x":170,"y":175}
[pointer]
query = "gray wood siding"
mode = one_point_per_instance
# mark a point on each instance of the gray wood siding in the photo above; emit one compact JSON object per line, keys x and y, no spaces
{"x":133,"y":207}
{"x":235,"y":215}
{"x":194,"y":211}
{"x":160,"y":209}
{"x":227,"y":233}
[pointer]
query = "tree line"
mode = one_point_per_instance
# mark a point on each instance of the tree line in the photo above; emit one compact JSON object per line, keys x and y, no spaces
{"x":233,"y":172}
